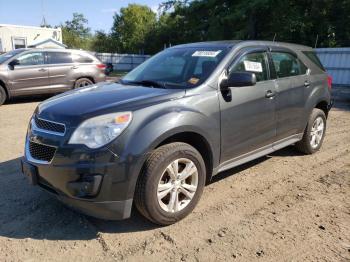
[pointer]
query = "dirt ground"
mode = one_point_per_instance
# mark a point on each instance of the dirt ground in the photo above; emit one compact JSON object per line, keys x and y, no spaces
{"x":282,"y":207}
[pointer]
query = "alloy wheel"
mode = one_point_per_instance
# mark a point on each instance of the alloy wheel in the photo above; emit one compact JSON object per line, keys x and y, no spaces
{"x":317,"y":131}
{"x":177,"y":185}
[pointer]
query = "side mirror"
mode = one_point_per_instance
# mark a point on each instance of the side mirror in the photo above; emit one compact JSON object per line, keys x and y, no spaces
{"x":238,"y":79}
{"x":13,"y":63}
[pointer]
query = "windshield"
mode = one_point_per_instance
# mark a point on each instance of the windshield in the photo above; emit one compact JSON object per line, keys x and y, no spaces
{"x":177,"y":67}
{"x":8,"y":55}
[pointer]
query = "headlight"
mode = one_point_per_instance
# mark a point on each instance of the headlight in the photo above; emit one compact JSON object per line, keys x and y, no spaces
{"x":98,"y":131}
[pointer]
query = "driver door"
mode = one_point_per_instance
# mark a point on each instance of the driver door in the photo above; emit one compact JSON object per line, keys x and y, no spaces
{"x":248,"y":122}
{"x":29,"y":74}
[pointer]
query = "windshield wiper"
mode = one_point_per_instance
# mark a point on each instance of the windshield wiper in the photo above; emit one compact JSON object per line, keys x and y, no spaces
{"x":150,"y":83}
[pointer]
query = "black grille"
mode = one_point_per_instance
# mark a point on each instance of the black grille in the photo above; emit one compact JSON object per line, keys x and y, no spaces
{"x":41,"y":152}
{"x":50,"y":126}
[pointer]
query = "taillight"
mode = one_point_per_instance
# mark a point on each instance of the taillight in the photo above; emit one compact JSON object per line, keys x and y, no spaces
{"x":101,"y":66}
{"x":329,"y":81}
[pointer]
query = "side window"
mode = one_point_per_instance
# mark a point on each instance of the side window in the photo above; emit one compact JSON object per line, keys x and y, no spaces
{"x":253,"y":62}
{"x":287,"y":65}
{"x":34,"y":58}
{"x":59,"y":58}
{"x":81,"y":58}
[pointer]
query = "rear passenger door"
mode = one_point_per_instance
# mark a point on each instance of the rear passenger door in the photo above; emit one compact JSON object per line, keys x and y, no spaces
{"x":60,"y":65}
{"x":291,"y":82}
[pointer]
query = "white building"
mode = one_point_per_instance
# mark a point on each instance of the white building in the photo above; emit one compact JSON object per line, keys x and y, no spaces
{"x":17,"y":36}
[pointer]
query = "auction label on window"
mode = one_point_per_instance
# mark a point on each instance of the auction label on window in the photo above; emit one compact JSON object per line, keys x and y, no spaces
{"x":206,"y":53}
{"x":253,"y":66}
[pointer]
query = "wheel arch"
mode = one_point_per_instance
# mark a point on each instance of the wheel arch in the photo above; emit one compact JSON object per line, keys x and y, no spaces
{"x":196,"y":140}
{"x":323,"y":105}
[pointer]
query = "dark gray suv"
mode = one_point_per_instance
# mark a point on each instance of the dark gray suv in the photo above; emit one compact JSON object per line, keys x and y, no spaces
{"x":155,"y":138}
{"x":41,"y":71}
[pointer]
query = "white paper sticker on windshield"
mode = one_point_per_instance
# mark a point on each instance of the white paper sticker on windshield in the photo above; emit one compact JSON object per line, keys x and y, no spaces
{"x":253,"y":66}
{"x":206,"y":53}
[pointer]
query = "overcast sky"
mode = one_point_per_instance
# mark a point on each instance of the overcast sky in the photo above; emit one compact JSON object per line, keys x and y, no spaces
{"x":98,"y":12}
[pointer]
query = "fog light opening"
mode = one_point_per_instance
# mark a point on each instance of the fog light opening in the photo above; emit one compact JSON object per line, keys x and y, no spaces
{"x":86,"y":186}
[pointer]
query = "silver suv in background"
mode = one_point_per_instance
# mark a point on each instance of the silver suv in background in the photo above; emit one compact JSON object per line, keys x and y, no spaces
{"x":42,"y":71}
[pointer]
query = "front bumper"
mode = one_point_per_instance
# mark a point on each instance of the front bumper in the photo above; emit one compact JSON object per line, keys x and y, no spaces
{"x":72,"y":172}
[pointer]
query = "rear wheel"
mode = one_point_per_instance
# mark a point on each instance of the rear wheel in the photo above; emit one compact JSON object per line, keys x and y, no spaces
{"x":171,"y":183}
{"x":314,"y":133}
{"x":81,"y":82}
{"x":3,"y":95}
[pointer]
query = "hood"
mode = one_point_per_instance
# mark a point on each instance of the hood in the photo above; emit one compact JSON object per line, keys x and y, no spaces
{"x":74,"y":106}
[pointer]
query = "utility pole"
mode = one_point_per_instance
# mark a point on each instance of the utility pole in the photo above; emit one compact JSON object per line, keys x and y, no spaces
{"x":43,"y":21}
{"x":316,"y":41}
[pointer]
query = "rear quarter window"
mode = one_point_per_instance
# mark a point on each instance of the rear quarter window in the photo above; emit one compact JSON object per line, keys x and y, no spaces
{"x":314,"y":58}
{"x":81,"y":58}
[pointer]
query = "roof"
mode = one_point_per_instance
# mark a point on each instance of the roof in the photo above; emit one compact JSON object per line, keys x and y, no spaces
{"x":46,"y":41}
{"x":231,"y":43}
{"x":30,"y":27}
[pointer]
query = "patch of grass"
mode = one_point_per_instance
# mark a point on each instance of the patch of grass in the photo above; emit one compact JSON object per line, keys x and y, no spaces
{"x":118,"y":73}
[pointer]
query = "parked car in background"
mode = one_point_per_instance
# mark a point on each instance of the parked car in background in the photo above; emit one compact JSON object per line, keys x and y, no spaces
{"x":186,"y":114}
{"x":41,"y":71}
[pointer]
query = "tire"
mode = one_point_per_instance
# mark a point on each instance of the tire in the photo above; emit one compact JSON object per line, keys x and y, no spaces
{"x":156,"y":172}
{"x":81,"y":82}
{"x":3,"y":95}
{"x":312,"y":140}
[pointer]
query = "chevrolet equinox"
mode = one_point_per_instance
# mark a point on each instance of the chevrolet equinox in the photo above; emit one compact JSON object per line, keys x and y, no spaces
{"x":155,"y":138}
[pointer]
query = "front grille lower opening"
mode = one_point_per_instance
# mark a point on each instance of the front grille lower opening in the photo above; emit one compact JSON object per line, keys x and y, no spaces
{"x":41,"y":152}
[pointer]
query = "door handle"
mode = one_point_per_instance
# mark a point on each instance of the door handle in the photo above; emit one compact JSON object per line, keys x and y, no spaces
{"x":74,"y":67}
{"x":269,"y":94}
{"x":306,"y":83}
{"x":42,"y":70}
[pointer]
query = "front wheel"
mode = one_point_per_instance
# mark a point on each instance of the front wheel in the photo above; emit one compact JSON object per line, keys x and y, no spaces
{"x":314,"y":133}
{"x":171,"y":183}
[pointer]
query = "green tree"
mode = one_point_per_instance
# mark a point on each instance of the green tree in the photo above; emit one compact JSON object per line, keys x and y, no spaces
{"x":103,"y":43}
{"x":131,"y":28}
{"x":75,"y":32}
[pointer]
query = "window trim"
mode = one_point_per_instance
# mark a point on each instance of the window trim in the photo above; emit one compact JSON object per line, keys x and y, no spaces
{"x":251,"y":50}
{"x":13,"y":38}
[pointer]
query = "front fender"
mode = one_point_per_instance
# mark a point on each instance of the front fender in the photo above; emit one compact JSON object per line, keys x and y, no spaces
{"x":150,"y":126}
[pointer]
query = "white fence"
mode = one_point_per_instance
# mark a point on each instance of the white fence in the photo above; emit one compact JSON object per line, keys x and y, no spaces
{"x":122,"y":62}
{"x":337,"y":63}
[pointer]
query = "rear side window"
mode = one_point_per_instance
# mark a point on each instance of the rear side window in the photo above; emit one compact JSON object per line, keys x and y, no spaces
{"x":253,"y":62}
{"x":314,"y":58}
{"x":59,"y":58}
{"x":287,"y":65}
{"x":81,"y":58}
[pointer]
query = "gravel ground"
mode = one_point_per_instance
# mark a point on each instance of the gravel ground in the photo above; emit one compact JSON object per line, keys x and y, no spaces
{"x":282,"y":207}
